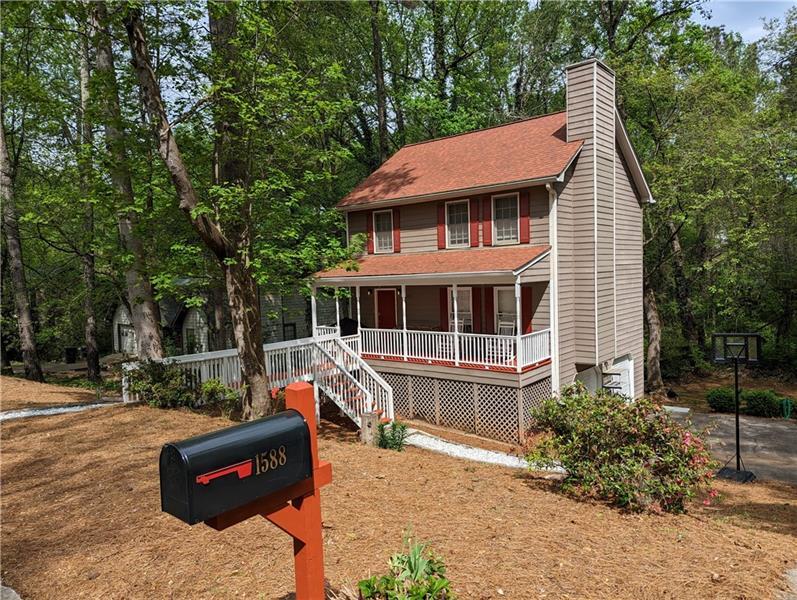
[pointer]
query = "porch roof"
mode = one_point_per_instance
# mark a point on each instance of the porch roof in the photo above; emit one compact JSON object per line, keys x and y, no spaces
{"x":499,"y":261}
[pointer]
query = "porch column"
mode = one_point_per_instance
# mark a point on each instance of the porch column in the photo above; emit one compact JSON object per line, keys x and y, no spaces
{"x":404,"y":319}
{"x":456,"y":325}
{"x":359,"y":319}
{"x":518,"y":321}
{"x":314,"y":316}
{"x":337,"y":310}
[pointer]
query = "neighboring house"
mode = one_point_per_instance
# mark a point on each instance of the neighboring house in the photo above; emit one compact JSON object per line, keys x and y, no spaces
{"x":124,"y":336}
{"x":503,"y":264}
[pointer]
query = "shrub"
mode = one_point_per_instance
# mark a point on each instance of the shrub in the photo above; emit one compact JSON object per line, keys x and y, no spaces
{"x":392,"y":437}
{"x":416,"y":574}
{"x":761,"y":403}
{"x":721,"y":400}
{"x":631,"y":454}
{"x":214,"y":394}
{"x":162,"y":385}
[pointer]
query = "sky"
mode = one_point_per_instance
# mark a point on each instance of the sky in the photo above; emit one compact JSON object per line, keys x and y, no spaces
{"x":744,"y":17}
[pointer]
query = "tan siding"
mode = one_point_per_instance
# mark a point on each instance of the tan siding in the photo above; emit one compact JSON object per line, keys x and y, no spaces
{"x":541,"y":306}
{"x":629,"y":274}
{"x":566,"y":282}
{"x":356,"y":223}
{"x":538,"y":215}
{"x":419,"y":227}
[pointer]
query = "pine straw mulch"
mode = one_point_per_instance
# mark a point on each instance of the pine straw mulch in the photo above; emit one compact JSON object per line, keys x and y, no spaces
{"x":81,"y":519}
{"x":17,"y":393}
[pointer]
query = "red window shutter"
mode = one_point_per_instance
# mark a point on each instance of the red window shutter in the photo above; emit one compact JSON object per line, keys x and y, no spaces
{"x":443,"y":309}
{"x":524,"y":217}
{"x":525,"y":308}
{"x":441,"y":225}
{"x":369,"y":228}
{"x":476,"y":298}
{"x":489,"y":310}
{"x":474,"y":223}
{"x":396,"y":230}
{"x":487,"y":222}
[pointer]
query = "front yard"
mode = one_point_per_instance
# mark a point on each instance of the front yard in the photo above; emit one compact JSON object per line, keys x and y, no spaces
{"x":81,"y":518}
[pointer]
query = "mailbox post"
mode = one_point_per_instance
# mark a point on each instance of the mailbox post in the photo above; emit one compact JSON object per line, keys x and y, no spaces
{"x":268,"y":467}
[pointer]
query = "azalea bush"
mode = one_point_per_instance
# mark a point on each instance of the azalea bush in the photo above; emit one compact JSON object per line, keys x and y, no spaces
{"x":721,"y":399}
{"x":629,"y":453}
{"x":415,"y":574}
{"x":161,"y":385}
{"x":762,"y":403}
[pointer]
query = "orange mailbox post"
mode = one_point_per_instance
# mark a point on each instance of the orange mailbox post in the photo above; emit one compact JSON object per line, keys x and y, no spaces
{"x":268,"y":467}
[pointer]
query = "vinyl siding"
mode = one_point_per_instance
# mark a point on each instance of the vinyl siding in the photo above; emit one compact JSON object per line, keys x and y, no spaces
{"x":419,"y":221}
{"x":566,"y":281}
{"x":628,"y":238}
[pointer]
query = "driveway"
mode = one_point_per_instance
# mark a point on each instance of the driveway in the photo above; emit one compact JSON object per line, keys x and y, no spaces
{"x":769,"y":446}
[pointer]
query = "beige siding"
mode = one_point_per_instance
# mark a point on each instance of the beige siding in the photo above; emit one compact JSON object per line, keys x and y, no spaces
{"x":419,"y":227}
{"x":566,"y":282}
{"x":418,"y":222}
{"x":541,"y":306}
{"x":629,"y":273}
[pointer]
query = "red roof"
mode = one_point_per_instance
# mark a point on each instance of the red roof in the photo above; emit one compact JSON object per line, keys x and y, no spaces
{"x":529,"y":149}
{"x":472,"y":260}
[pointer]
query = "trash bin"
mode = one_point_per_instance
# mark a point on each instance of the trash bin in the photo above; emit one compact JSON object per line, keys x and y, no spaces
{"x":70,"y":355}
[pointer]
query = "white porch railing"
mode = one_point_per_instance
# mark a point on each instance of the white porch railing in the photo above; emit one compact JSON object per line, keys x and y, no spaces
{"x":324,"y":330}
{"x":331,"y":362}
{"x":472,"y":348}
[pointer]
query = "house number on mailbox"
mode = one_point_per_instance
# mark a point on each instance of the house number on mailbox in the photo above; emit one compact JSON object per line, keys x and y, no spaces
{"x":268,"y":461}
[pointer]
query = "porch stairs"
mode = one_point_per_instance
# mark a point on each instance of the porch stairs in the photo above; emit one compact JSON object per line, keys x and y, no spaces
{"x":335,"y":370}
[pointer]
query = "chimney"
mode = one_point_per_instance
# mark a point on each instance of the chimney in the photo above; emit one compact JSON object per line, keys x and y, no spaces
{"x":591,"y":117}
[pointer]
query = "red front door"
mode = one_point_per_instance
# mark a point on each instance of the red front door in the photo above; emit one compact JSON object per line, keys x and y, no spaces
{"x":386,"y":309}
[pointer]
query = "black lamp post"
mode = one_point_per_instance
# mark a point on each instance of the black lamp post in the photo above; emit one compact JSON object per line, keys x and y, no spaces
{"x":736,"y":348}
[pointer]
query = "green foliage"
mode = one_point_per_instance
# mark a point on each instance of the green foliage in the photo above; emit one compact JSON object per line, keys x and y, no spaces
{"x":721,"y":400}
{"x":392,"y":436}
{"x":162,"y":385}
{"x":631,"y":454}
{"x":415,"y":574}
{"x":761,"y":403}
{"x":214,"y":394}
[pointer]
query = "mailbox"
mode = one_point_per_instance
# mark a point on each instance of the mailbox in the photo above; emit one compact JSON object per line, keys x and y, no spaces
{"x":207,"y":475}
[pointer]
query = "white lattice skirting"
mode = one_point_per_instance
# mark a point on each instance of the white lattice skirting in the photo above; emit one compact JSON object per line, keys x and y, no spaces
{"x":493,"y":411}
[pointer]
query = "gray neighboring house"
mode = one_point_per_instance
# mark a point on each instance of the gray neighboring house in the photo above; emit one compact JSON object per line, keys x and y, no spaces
{"x":503,"y":264}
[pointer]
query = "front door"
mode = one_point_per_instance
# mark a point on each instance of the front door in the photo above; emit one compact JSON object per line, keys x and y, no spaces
{"x":386,"y":309}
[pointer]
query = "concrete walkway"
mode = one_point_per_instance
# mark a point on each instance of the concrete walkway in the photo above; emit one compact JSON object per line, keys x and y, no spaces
{"x":768,"y":446}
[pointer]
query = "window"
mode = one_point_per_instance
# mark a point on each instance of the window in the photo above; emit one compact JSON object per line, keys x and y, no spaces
{"x":464,"y":312}
{"x":457,"y":224}
{"x":505,"y":311}
{"x":505,"y":219}
{"x":383,"y":231}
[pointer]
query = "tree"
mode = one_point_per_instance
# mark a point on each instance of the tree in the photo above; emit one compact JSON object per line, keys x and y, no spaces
{"x":27,"y":337}
{"x":144,"y":310}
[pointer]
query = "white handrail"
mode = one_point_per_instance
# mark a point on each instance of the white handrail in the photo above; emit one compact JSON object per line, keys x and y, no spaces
{"x":535,"y":347}
{"x":380,"y":389}
{"x":338,"y":383}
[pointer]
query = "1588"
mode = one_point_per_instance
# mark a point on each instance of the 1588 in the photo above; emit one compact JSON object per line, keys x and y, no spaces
{"x":270,"y":460}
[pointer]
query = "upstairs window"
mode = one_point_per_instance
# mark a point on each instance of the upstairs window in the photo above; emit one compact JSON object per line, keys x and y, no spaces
{"x":505,"y":219}
{"x":383,"y":231}
{"x":458,"y":224}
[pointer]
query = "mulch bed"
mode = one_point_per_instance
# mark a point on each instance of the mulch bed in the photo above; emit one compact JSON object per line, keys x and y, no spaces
{"x":17,"y":393}
{"x":81,"y":519}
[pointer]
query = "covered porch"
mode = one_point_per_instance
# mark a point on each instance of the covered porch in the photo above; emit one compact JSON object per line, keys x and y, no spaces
{"x":495,"y":320}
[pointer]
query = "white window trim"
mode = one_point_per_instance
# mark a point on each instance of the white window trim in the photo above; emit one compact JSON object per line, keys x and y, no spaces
{"x":451,"y":306}
{"x":373,"y":227}
{"x":517,"y":203}
{"x":376,"y":305}
{"x":507,"y":288}
{"x":448,"y":242}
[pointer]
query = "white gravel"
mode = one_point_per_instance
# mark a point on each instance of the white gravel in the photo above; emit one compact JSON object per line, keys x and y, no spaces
{"x":421,"y":439}
{"x":52,"y":410}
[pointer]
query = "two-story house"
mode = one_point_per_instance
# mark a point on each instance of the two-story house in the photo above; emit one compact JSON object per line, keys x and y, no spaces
{"x":503,"y":264}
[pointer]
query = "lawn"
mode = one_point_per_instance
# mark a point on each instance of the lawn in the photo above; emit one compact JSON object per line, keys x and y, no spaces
{"x":81,"y":518}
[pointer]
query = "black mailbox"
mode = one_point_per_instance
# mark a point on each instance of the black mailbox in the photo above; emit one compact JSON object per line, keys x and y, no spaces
{"x":207,"y":475}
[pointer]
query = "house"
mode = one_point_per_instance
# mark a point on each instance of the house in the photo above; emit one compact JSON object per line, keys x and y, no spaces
{"x":502,"y":264}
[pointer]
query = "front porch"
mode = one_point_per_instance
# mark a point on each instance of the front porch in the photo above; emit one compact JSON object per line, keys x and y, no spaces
{"x":484,"y":327}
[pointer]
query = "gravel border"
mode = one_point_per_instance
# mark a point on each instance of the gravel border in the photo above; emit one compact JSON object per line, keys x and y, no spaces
{"x":53,"y":410}
{"x":421,"y":439}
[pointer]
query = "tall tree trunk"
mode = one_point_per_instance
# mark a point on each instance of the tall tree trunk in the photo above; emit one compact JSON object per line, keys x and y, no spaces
{"x":217,"y":317}
{"x":27,"y":337}
{"x":233,"y":257}
{"x":87,"y":258}
{"x":144,"y":310}
{"x":682,"y":292}
{"x":439,"y":48}
{"x":654,"y":382}
{"x":379,"y":76}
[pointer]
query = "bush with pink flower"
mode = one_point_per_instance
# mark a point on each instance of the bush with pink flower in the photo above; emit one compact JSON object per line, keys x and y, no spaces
{"x":632,"y":454}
